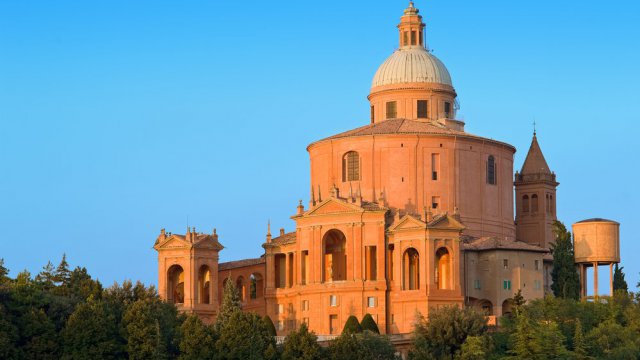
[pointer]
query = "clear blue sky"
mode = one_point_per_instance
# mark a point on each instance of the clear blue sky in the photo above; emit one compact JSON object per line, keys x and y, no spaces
{"x":118,"y":118}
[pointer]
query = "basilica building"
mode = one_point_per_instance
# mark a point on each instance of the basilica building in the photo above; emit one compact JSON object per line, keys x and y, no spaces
{"x":407,"y":213}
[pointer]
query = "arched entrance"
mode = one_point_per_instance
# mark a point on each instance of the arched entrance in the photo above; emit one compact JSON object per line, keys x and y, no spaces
{"x":443,"y":269}
{"x":204,"y":285}
{"x":411,"y":269}
{"x":507,"y":307}
{"x":335,"y":256}
{"x":175,"y":284}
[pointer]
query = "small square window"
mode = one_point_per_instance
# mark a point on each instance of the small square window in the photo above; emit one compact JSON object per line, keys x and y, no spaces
{"x":476,"y":284}
{"x":333,"y":300}
{"x":505,"y":263}
{"x":506,"y":284}
{"x":305,"y":305}
{"x":435,"y":202}
{"x":371,"y":301}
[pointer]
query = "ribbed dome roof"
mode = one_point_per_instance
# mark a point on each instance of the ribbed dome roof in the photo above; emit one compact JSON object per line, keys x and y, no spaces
{"x":411,"y":64}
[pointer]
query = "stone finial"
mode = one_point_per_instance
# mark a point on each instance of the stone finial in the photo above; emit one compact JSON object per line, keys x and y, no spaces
{"x":411,"y":10}
{"x":281,"y":231}
{"x":269,"y":231}
{"x":300,"y":208}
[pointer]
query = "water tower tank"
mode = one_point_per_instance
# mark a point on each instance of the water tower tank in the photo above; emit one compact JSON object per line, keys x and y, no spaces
{"x":596,"y":240}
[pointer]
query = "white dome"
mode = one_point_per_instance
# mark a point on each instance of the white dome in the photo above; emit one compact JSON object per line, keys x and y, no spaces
{"x":411,"y":64}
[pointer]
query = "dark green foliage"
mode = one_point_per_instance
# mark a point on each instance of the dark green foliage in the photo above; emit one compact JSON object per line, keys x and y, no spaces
{"x":366,"y":345}
{"x":244,"y":336}
{"x":92,"y":333}
{"x":619,"y":283}
{"x":62,"y":273}
{"x":230,"y":304}
{"x":566,"y":281}
{"x":46,"y":277}
{"x":611,"y":340}
{"x":368,"y":323}
{"x":4,"y":273}
{"x":579,"y":346}
{"x":352,"y":326}
{"x":445,"y":330}
{"x":474,"y":348}
{"x":269,"y":324}
{"x":197,"y":340}
{"x":301,"y":345}
{"x":151,"y":329}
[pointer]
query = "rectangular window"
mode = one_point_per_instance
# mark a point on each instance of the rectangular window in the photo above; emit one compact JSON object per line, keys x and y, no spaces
{"x":505,"y":263}
{"x":423,"y":113}
{"x":413,"y":38}
{"x":405,"y":38}
{"x":506,"y":284}
{"x":372,"y":114}
{"x":305,"y":305}
{"x":476,"y":284}
{"x":291,"y":324}
{"x":447,"y":109}
{"x":537,"y":264}
{"x":280,"y":309}
{"x":371,"y":302}
{"x":333,"y":300}
{"x":392,"y":110}
{"x":435,"y":166}
{"x":435,"y":202}
{"x":370,"y":263}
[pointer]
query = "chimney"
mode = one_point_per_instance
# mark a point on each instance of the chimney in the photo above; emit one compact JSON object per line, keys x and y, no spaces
{"x":281,"y":231}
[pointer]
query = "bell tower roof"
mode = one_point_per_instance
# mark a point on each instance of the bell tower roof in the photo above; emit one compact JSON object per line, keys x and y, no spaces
{"x":535,"y":162}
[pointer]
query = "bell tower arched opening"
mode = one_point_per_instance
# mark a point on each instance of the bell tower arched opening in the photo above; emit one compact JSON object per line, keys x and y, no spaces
{"x":175,"y":284}
{"x":204,"y":285}
{"x":411,"y":269}
{"x":443,"y":269}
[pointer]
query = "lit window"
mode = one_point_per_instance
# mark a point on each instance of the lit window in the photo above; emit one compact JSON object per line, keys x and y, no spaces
{"x":422,"y":109}
{"x":491,"y":170}
{"x":333,"y":300}
{"x":371,"y":302}
{"x":280,"y":309}
{"x":391,"y":110}
{"x":351,"y":166}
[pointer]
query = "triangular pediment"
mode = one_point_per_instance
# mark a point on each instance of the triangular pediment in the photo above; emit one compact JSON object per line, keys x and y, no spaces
{"x":408,"y":223}
{"x":446,"y":222}
{"x":334,"y":206}
{"x":207,"y":242}
{"x":172,"y":242}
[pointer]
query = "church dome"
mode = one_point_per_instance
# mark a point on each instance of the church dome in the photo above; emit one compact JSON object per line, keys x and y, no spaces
{"x":412,"y":64}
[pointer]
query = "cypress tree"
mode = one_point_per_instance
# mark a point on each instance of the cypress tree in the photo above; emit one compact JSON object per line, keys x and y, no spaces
{"x":579,"y":347}
{"x":4,"y":273}
{"x":230,"y":305}
{"x":619,"y":283}
{"x":62,"y":273}
{"x":369,"y":324}
{"x":352,"y":326}
{"x":269,"y":324}
{"x":566,"y":281}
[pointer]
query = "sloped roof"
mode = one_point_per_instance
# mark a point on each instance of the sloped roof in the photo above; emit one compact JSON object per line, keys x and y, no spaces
{"x":240,"y":263}
{"x":535,"y":162}
{"x":287,"y":238}
{"x":495,"y":243}
{"x":406,"y":126}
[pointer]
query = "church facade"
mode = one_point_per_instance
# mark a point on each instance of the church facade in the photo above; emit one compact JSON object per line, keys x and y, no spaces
{"x":406,"y":213}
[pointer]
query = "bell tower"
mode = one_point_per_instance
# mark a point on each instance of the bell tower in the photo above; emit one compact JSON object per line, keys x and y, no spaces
{"x":535,"y":198}
{"x":188,"y":271}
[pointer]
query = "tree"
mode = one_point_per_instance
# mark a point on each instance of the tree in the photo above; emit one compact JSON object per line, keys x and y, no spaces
{"x":230,"y":304}
{"x":4,"y":273}
{"x":92,"y":333}
{"x":523,"y":339}
{"x":579,"y":346}
{"x":38,"y":337}
{"x":566,"y":281}
{"x":269,"y":324}
{"x":619,"y":283}
{"x":367,"y":345}
{"x":518,"y":301}
{"x":473,"y":348}
{"x":62,"y":273}
{"x":445,"y":330}
{"x":611,"y":340}
{"x":368,"y":323}
{"x":244,"y":336}
{"x":352,"y":326}
{"x":197,"y":341}
{"x":8,"y":336}
{"x":46,"y":277}
{"x":301,"y":345}
{"x":150,"y":327}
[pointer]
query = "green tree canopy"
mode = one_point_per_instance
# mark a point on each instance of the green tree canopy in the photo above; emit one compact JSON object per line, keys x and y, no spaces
{"x":301,"y":345}
{"x":368,"y":323}
{"x":352,"y":326}
{"x":244,"y":336}
{"x":565,"y":278}
{"x":151,"y":329}
{"x":619,"y":283}
{"x":366,"y":345}
{"x":197,"y":340}
{"x":269,"y":324}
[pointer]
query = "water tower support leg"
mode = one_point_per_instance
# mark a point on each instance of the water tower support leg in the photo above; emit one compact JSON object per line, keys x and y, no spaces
{"x":595,"y":279}
{"x":611,"y":278}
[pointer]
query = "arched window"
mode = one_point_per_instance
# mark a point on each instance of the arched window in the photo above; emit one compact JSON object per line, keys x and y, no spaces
{"x":204,"y":285}
{"x":257,"y":286}
{"x":491,"y":170}
{"x":242,"y":288}
{"x":175,"y":284}
{"x":411,"y":269}
{"x":335,"y":256}
{"x":351,"y":166}
{"x":534,"y":203}
{"x":525,"y":203}
{"x":443,"y":269}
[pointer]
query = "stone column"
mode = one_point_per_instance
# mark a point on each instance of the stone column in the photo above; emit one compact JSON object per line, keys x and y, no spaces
{"x":287,"y":269}
{"x":595,"y":279}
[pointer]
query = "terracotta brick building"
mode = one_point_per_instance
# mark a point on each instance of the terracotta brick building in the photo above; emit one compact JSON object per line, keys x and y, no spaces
{"x":406,"y":213}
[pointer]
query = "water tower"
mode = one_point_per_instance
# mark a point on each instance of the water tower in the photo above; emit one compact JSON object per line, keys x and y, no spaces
{"x":596,"y":242}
